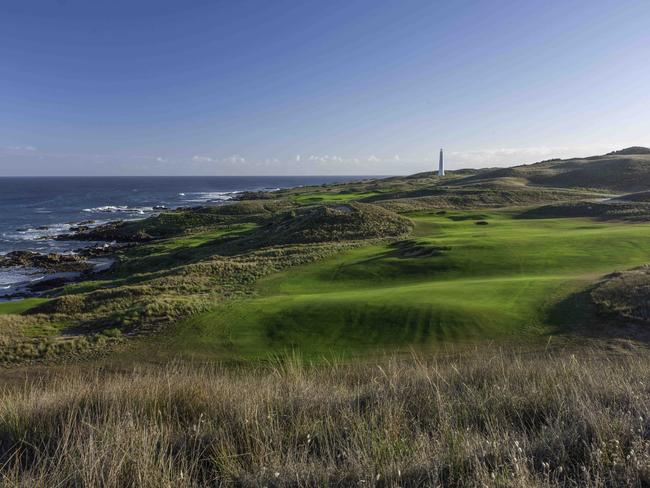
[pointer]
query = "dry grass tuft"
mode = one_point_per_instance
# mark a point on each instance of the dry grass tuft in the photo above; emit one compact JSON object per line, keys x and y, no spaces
{"x":495,"y":420}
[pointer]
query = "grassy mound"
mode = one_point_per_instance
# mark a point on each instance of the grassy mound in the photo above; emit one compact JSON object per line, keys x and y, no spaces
{"x":184,"y":221}
{"x":625,"y":170}
{"x":626,"y":294}
{"x":631,"y":150}
{"x":327,"y":223}
{"x":474,"y":197}
{"x":606,"y":210}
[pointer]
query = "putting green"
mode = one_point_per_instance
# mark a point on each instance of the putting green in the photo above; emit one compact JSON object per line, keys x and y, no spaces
{"x":456,"y":281}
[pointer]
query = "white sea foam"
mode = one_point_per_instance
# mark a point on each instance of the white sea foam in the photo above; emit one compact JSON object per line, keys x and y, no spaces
{"x":119,"y":209}
{"x":210,"y":196}
{"x":15,"y":275}
{"x":33,"y":234}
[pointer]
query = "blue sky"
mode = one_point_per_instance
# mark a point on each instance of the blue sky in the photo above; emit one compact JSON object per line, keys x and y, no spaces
{"x":157,"y":87}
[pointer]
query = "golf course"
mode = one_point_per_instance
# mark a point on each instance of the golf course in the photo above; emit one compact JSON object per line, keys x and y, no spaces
{"x":361,"y":269}
{"x":454,"y":281}
{"x":485,"y":328}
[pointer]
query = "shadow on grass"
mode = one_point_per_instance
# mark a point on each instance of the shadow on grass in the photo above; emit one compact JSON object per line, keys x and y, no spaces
{"x":578,"y":315}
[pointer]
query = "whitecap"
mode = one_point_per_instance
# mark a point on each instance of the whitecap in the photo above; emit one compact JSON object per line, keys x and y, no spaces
{"x":33,"y":234}
{"x":211,"y":196}
{"x":119,"y":209}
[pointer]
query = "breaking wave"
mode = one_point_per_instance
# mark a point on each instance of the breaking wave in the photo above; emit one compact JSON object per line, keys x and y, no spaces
{"x":120,"y":209}
{"x":210,"y":196}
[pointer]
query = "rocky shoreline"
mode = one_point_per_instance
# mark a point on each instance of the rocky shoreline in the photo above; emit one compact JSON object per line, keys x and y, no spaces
{"x":48,"y":271}
{"x":51,"y":262}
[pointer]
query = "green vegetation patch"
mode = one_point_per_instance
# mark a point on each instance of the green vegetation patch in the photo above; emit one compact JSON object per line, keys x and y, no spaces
{"x":20,"y":306}
{"x":331,"y":223}
{"x":185,"y":221}
{"x":454,"y":282}
{"x":331,"y":197}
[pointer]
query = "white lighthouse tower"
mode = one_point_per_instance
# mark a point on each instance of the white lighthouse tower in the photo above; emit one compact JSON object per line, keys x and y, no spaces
{"x":441,"y":165}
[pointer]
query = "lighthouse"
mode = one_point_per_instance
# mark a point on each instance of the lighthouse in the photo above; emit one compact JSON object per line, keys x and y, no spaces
{"x":441,"y":165}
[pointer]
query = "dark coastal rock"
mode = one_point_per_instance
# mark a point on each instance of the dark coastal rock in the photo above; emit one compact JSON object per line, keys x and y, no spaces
{"x":47,"y":262}
{"x":104,"y":249}
{"x":46,"y":285}
{"x":117,"y":231}
{"x":79,"y":228}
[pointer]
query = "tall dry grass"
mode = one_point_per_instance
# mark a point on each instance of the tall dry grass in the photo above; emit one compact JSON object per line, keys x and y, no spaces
{"x":494,"y":420}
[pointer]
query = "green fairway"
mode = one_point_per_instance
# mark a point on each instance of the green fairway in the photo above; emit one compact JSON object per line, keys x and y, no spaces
{"x":456,"y":281}
{"x":326,"y":197}
{"x":19,"y":306}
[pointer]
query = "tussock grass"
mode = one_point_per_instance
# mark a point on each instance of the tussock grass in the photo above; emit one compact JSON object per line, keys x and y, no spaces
{"x":488,"y":419}
{"x":625,"y":294}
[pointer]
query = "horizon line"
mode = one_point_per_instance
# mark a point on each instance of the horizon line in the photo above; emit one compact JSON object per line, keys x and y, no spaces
{"x":206,"y":176}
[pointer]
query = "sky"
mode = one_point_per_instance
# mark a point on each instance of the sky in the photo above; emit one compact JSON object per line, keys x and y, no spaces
{"x":362,"y":87}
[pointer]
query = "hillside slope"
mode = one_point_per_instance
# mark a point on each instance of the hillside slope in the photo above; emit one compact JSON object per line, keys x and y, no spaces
{"x":627,"y":170}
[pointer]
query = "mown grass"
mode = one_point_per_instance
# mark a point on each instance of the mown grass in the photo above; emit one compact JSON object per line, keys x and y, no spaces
{"x":465,"y":283}
{"x":20,"y":306}
{"x":482,"y":418}
{"x":330,"y":197}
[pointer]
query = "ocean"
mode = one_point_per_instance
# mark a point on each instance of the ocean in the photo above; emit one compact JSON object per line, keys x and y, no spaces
{"x":33,"y":210}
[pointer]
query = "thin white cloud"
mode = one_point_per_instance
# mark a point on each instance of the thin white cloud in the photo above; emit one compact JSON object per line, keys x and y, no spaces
{"x":18,"y":149}
{"x":373,"y":159}
{"x":203,"y":159}
{"x":325,"y":158}
{"x":234,"y":159}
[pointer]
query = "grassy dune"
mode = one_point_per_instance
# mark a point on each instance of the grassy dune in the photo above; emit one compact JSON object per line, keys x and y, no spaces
{"x":459,"y":282}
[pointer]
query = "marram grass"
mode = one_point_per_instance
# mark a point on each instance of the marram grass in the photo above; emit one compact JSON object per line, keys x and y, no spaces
{"x":481,"y":419}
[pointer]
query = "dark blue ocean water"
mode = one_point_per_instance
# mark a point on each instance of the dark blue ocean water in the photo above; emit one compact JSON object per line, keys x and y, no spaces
{"x":34,"y":209}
